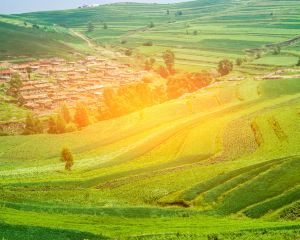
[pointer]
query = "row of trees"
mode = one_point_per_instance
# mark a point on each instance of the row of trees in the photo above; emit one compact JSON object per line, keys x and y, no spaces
{"x":135,"y":97}
{"x":91,"y":27}
{"x":63,"y":122}
{"x":130,"y":98}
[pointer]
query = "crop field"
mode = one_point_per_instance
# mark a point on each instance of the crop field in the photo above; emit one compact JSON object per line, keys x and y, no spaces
{"x":200,"y":32}
{"x":196,"y":172}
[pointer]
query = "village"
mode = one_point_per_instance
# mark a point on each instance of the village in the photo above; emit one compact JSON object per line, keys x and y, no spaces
{"x":48,"y":83}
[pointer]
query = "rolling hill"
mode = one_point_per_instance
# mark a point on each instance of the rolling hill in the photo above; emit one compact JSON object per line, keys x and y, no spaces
{"x":200,"y":32}
{"x":220,"y":163}
{"x":229,"y":149}
{"x":23,"y":41}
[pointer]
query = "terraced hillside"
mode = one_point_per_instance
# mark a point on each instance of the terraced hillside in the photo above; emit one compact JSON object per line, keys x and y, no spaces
{"x":200,"y":32}
{"x":229,"y":149}
{"x":22,"y":41}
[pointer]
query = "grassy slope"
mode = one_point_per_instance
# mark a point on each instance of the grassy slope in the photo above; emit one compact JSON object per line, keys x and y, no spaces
{"x":20,"y":43}
{"x":225,"y":29}
{"x":201,"y":150}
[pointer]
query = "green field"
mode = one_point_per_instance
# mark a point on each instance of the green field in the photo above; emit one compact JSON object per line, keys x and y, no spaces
{"x":206,"y":32}
{"x":219,"y":163}
{"x":212,"y":163}
{"x":23,"y":43}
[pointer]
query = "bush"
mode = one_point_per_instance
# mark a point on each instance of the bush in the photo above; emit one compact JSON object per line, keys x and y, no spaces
{"x":239,"y":61}
{"x":128,"y":52}
{"x":225,"y":67}
{"x":148,"y":44}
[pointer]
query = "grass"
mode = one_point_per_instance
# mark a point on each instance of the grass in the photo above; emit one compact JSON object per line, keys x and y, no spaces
{"x":228,"y":33}
{"x":30,"y":43}
{"x":127,"y":182}
{"x":198,"y":167}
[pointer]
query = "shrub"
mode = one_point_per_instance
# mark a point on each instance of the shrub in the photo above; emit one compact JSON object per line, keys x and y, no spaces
{"x":128,"y":52}
{"x":148,"y":44}
{"x":239,"y":61}
{"x":225,"y":67}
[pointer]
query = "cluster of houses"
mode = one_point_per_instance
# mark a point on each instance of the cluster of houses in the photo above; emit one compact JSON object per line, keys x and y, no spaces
{"x":46,"y":84}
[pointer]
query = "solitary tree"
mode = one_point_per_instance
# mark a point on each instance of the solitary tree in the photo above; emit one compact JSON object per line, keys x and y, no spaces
{"x":225,"y":67}
{"x":151,"y":25}
{"x":91,"y":27}
{"x":67,"y":157}
{"x":169,"y":58}
{"x":105,"y":26}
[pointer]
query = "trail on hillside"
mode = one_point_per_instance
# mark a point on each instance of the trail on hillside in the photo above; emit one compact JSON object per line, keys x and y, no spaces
{"x":84,"y":38}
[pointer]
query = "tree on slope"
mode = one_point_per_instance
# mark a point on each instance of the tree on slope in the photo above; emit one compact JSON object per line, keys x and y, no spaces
{"x":67,"y":158}
{"x":225,"y":67}
{"x":90,"y":27}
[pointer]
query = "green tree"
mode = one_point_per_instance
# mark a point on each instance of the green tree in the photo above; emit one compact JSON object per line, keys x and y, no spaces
{"x":169,"y":59}
{"x":225,"y":66}
{"x":151,"y":25}
{"x":298,"y":63}
{"x":90,"y":27}
{"x":66,"y":156}
{"x":81,"y":117}
{"x":239,"y":61}
{"x":105,"y":26}
{"x":32,"y":125}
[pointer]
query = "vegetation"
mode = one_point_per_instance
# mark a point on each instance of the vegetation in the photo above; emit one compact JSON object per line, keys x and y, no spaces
{"x":67,"y":158}
{"x":180,"y":156}
{"x":225,"y":67}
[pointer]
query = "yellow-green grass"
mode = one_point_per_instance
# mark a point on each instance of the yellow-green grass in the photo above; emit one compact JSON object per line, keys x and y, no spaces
{"x":203,"y":143}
